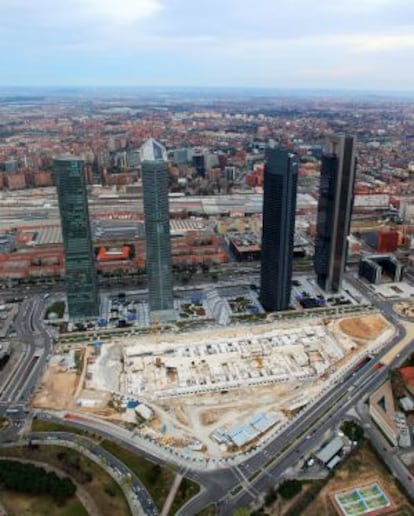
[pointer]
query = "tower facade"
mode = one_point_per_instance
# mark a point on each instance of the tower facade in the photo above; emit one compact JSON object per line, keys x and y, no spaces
{"x":199,"y":162}
{"x":80,"y":280}
{"x":157,"y":229}
{"x":279,"y":207}
{"x":334,"y":211}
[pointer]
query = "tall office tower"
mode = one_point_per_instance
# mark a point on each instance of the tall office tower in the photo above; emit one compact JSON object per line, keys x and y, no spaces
{"x":199,"y":162}
{"x":334,"y":211}
{"x":157,"y":230}
{"x":279,"y":206}
{"x":81,"y":284}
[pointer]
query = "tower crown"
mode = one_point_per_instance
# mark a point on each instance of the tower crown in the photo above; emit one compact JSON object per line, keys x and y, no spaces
{"x":153,"y":151}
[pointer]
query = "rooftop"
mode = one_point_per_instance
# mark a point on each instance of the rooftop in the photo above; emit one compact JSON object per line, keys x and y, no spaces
{"x":153,"y":151}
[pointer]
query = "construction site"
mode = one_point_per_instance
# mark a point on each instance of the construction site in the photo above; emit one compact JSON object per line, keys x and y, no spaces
{"x":214,"y":391}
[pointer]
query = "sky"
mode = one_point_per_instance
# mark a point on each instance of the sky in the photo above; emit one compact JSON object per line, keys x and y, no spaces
{"x":328,"y":44}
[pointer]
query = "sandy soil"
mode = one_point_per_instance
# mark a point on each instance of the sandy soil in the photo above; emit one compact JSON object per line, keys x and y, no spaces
{"x":405,"y":309}
{"x":361,"y":469}
{"x":58,"y":389}
{"x":194,"y":417}
{"x":368,"y":327}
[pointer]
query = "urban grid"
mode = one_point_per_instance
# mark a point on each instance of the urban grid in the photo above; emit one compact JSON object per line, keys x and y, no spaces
{"x":207,"y":292}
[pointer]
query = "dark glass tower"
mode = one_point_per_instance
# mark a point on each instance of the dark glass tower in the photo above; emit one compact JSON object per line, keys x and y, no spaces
{"x":334,"y":211}
{"x":199,"y":162}
{"x":279,"y":206}
{"x":81,"y":285}
{"x":157,"y":230}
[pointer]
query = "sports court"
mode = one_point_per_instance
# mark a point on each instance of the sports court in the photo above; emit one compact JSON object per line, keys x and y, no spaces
{"x":362,"y":500}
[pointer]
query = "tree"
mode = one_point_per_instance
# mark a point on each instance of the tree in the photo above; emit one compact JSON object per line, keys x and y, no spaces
{"x":352,"y":430}
{"x":270,"y":497}
{"x":397,"y":382}
{"x":290,"y":488}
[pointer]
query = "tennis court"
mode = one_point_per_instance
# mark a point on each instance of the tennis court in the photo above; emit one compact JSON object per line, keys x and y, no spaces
{"x":362,"y":500}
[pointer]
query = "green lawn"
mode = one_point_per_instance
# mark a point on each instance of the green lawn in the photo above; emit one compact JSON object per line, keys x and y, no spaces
{"x":156,"y":479}
{"x":104,"y":490}
{"x":187,"y":490}
{"x":210,"y":510}
{"x":31,"y":505}
{"x":41,"y":425}
{"x":76,"y":509}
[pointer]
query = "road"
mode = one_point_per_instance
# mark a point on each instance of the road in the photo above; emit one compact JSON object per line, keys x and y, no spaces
{"x":259,"y":471}
{"x":268,"y":466}
{"x":118,"y":469}
{"x":17,"y":388}
{"x":298,"y":440}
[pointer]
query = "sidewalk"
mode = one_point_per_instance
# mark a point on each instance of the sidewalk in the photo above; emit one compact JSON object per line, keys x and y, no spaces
{"x":171,"y":495}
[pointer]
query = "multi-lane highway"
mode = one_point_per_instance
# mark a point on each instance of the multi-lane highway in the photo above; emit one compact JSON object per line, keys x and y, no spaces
{"x":17,"y":387}
{"x":267,"y":468}
{"x":260,"y":471}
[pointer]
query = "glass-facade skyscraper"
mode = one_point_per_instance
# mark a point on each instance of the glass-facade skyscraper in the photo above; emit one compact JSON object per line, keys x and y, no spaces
{"x":81,"y":284}
{"x":334,"y":211}
{"x":279,"y":207}
{"x":157,"y":230}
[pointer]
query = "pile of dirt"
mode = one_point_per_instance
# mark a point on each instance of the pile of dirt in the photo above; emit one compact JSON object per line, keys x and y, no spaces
{"x":367,"y":327}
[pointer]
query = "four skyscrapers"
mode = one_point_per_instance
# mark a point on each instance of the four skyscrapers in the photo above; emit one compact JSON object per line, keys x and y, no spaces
{"x":279,"y":206}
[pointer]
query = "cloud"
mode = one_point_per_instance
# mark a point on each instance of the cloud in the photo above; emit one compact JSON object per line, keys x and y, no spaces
{"x":383,"y":42}
{"x":120,"y":11}
{"x":214,"y":41}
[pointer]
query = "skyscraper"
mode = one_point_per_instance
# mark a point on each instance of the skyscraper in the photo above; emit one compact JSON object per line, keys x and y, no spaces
{"x":157,"y":229}
{"x":81,"y":285}
{"x":199,"y":162}
{"x":334,"y":211}
{"x":279,"y":206}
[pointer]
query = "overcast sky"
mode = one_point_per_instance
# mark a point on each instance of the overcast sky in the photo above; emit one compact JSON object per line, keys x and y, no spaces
{"x":357,"y":44}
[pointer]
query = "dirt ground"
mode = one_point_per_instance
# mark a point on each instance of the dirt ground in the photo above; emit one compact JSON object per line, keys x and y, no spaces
{"x":19,"y":504}
{"x":368,"y":327}
{"x":405,"y":309}
{"x":58,"y":389}
{"x":360,"y":469}
{"x":107,"y":504}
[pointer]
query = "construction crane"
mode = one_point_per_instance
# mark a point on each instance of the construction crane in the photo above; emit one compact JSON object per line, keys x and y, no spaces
{"x":156,"y":327}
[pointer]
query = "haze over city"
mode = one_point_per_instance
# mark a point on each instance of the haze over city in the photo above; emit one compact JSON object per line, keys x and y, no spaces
{"x":355,"y":44}
{"x":206,"y":257}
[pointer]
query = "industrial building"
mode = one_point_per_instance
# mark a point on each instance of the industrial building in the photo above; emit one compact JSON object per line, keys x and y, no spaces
{"x":329,"y":454}
{"x":383,"y":241}
{"x":279,"y":207}
{"x":80,"y":278}
{"x":334,"y":211}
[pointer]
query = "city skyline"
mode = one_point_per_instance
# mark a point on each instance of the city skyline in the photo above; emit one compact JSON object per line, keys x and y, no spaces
{"x":226,"y":44}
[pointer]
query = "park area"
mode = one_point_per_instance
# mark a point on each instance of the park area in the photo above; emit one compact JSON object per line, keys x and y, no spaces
{"x":94,"y":484}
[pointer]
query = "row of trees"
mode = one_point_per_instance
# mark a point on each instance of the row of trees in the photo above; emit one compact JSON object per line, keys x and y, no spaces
{"x":27,"y":478}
